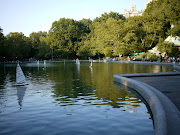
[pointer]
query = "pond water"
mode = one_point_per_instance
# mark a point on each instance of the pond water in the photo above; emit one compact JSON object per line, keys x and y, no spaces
{"x":63,"y":98}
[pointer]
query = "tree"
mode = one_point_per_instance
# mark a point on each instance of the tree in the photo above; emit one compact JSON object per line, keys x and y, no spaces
{"x":63,"y":35}
{"x":167,"y":14}
{"x":142,"y":33}
{"x":67,"y":35}
{"x":17,"y":46}
{"x":173,"y":15}
{"x":112,"y":15}
{"x":2,"y":56}
{"x":44,"y":50}
{"x":164,"y":46}
{"x":105,"y":34}
{"x":36,"y":42}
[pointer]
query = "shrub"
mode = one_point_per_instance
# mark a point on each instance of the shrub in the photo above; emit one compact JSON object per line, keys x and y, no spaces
{"x":148,"y":56}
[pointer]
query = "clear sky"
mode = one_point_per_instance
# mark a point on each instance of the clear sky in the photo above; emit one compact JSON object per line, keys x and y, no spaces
{"x":29,"y":16}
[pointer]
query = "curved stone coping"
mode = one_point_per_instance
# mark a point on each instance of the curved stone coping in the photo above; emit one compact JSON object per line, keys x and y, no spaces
{"x":150,"y":74}
{"x":165,"y":114}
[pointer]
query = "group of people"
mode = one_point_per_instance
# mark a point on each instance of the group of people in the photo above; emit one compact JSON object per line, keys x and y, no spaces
{"x":173,"y":59}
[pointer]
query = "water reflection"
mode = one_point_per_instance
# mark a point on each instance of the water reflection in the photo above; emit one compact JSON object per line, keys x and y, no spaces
{"x":134,"y":101}
{"x":91,"y":71}
{"x":20,"y":95}
{"x":74,"y":97}
{"x":95,"y":86}
{"x":78,"y":68}
{"x":84,"y":96}
{"x":38,"y":66}
{"x":44,"y":68}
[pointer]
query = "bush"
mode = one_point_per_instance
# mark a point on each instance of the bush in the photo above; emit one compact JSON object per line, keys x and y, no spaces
{"x":147,"y":56}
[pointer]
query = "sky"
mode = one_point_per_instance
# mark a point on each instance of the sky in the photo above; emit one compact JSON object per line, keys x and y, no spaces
{"x":29,"y":16}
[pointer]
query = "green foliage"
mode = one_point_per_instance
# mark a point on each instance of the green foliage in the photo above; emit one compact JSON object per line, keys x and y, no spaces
{"x":2,"y":45}
{"x":164,"y":46}
{"x":147,"y":56}
{"x":175,"y":31}
{"x":17,"y":46}
{"x":44,"y":51}
{"x":36,"y":42}
{"x":112,"y":15}
{"x":174,"y":52}
{"x":167,"y":12}
{"x":66,"y":34}
{"x":108,"y":35}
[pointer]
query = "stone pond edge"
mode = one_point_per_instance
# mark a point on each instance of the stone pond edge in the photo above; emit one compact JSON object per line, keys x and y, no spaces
{"x":165,"y":114}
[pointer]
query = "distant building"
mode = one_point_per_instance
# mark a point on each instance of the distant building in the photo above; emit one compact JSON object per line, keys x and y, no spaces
{"x":132,"y":12}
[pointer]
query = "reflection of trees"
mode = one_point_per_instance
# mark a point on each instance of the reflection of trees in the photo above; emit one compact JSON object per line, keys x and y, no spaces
{"x":105,"y":89}
{"x":68,"y":82}
{"x":7,"y":73}
{"x":86,"y":87}
{"x":2,"y":76}
{"x":71,"y":83}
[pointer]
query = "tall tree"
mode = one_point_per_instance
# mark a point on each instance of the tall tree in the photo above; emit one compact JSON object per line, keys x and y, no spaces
{"x":2,"y":56}
{"x":35,"y":40}
{"x":62,"y":36}
{"x":167,"y":13}
{"x":143,"y":32}
{"x":112,"y":15}
{"x":17,"y":46}
{"x":44,"y":50}
{"x":66,"y":34}
{"x":105,"y":34}
{"x":173,"y":15}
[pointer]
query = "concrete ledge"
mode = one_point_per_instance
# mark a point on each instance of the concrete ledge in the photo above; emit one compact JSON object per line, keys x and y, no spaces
{"x":144,"y":62}
{"x":165,"y":114}
{"x":150,"y":74}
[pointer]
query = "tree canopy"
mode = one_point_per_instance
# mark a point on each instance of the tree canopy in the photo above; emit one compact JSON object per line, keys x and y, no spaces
{"x":109,"y":35}
{"x":16,"y":46}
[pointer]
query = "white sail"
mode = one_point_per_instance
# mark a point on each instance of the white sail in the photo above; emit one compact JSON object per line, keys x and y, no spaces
{"x":77,"y":61}
{"x":20,"y":78}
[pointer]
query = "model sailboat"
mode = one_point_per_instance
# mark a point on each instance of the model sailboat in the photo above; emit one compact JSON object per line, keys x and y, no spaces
{"x":20,"y":78}
{"x":44,"y":62}
{"x":77,"y":61}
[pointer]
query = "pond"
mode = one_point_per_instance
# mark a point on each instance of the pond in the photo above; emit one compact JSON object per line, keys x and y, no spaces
{"x":64,"y":98}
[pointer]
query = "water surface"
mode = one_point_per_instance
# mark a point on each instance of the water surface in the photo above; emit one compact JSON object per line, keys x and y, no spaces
{"x":63,"y":98}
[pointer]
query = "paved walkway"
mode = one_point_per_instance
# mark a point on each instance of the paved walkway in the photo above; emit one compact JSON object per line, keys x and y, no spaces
{"x":168,"y":85}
